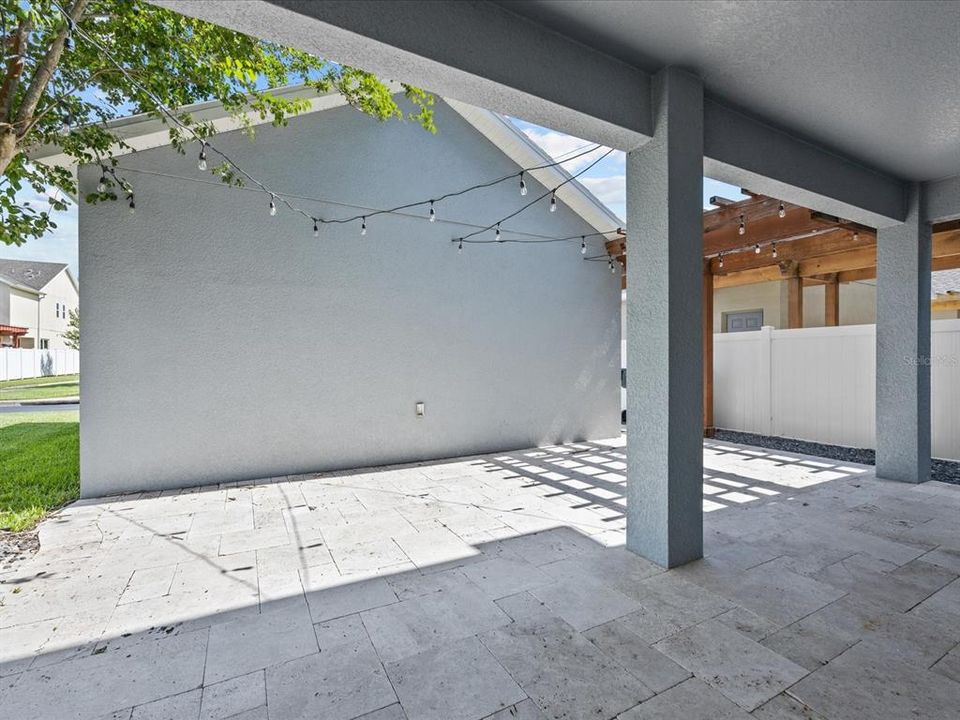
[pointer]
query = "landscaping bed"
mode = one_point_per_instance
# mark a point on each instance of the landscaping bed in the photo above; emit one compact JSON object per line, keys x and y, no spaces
{"x":946,"y":471}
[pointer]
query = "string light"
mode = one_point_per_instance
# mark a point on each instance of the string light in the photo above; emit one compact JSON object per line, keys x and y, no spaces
{"x":720,"y":258}
{"x":102,"y":185}
{"x":613,"y":270}
{"x":774,"y":249}
{"x":460,"y":247}
{"x":275,"y":197}
{"x":782,"y":211}
{"x":856,"y":235}
{"x":553,"y":201}
{"x":583,"y":245}
{"x":743,"y":228}
{"x":363,"y":226}
{"x":756,"y":248}
{"x":174,"y":119}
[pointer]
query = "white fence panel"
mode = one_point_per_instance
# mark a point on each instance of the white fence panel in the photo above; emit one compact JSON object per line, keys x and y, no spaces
{"x":945,"y":388}
{"x":819,"y":384}
{"x":823,"y":384}
{"x":741,"y":371}
{"x":23,"y":363}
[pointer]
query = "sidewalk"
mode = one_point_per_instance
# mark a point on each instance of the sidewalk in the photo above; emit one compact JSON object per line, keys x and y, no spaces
{"x":72,"y":400}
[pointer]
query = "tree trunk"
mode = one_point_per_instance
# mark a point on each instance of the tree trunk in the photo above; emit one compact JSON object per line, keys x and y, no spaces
{"x":8,"y":148}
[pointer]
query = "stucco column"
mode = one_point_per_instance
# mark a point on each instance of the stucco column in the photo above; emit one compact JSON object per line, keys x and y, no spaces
{"x":664,"y":328}
{"x":903,"y":346}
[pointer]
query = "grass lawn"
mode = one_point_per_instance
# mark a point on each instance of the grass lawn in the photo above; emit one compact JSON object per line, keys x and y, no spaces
{"x":41,"y":388}
{"x":39,"y":465}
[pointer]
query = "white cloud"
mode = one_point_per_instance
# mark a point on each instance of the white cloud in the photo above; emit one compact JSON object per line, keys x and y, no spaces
{"x":560,"y":145}
{"x":610,"y":190}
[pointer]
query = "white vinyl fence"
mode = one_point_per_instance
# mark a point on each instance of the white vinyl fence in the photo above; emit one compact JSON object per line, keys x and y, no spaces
{"x":819,"y":384}
{"x":20,"y":363}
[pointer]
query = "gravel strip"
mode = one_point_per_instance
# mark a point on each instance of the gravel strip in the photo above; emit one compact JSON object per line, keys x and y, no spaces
{"x":946,"y":471}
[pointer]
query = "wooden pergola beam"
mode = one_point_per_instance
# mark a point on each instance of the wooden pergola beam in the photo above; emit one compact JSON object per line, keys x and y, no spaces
{"x":946,"y":302}
{"x":831,"y":303}
{"x":826,"y":242}
{"x":858,"y":263}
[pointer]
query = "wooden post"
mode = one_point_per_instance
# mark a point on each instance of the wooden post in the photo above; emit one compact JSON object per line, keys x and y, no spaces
{"x":794,"y":302}
{"x":831,"y":297}
{"x":707,"y":350}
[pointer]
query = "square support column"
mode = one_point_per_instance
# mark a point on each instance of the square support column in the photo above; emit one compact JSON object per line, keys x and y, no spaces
{"x":903,"y":346}
{"x":665,"y":329}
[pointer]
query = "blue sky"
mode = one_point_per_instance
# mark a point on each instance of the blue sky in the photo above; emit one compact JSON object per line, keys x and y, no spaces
{"x":606,"y":180}
{"x":57,"y":246}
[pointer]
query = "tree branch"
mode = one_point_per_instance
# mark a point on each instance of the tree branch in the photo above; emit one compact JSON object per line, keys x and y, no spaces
{"x":44,"y":71}
{"x":11,"y":81}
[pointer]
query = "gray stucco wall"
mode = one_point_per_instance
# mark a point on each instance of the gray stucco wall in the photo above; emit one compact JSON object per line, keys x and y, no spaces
{"x":223,"y":344}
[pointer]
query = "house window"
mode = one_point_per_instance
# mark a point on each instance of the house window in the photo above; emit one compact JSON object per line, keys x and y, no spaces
{"x":58,"y":309}
{"x":44,"y":344}
{"x":743,"y":321}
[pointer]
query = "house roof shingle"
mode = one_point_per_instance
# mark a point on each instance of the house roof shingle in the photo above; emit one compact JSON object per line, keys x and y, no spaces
{"x":944,"y":281}
{"x":29,"y":273}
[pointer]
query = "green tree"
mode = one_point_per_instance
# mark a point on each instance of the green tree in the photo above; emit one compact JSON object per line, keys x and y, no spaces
{"x":72,"y":336}
{"x":60,"y":89}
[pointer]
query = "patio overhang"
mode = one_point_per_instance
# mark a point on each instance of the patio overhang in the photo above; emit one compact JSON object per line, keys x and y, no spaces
{"x":749,"y":103}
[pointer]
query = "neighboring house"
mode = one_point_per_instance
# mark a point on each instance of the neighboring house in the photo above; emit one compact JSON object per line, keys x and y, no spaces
{"x":945,"y":294}
{"x":748,"y":307}
{"x":254,"y":349}
{"x":35,"y":301}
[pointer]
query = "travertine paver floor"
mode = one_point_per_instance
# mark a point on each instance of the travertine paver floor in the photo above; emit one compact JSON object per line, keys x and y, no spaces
{"x":495,"y":587}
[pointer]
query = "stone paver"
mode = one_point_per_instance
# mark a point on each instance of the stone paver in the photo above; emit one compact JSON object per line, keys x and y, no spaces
{"x":460,"y":680}
{"x":493,"y":587}
{"x":743,"y":670}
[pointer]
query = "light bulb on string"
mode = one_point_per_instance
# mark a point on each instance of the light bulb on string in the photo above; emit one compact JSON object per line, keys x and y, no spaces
{"x":720,"y":258}
{"x":460,"y":247}
{"x":756,"y":248}
{"x":497,"y":236}
{"x":782,"y":211}
{"x":583,"y":245}
{"x":316,"y":228}
{"x":856,"y":235}
{"x":553,"y":202}
{"x":132,"y":205}
{"x":273,"y":207}
{"x":363,"y":226}
{"x":523,"y":185}
{"x":433,"y":213}
{"x":102,"y":185}
{"x":202,"y":159}
{"x":613,"y":270}
{"x":774,"y":249}
{"x":743,"y":228}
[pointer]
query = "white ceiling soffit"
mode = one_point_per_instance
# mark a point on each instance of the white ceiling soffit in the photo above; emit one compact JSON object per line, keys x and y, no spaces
{"x":525,"y":153}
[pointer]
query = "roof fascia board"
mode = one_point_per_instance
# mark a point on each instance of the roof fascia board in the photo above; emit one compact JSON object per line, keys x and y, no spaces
{"x":525,"y":153}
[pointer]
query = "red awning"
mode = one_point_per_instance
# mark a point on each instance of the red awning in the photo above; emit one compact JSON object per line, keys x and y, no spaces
{"x":13,"y":330}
